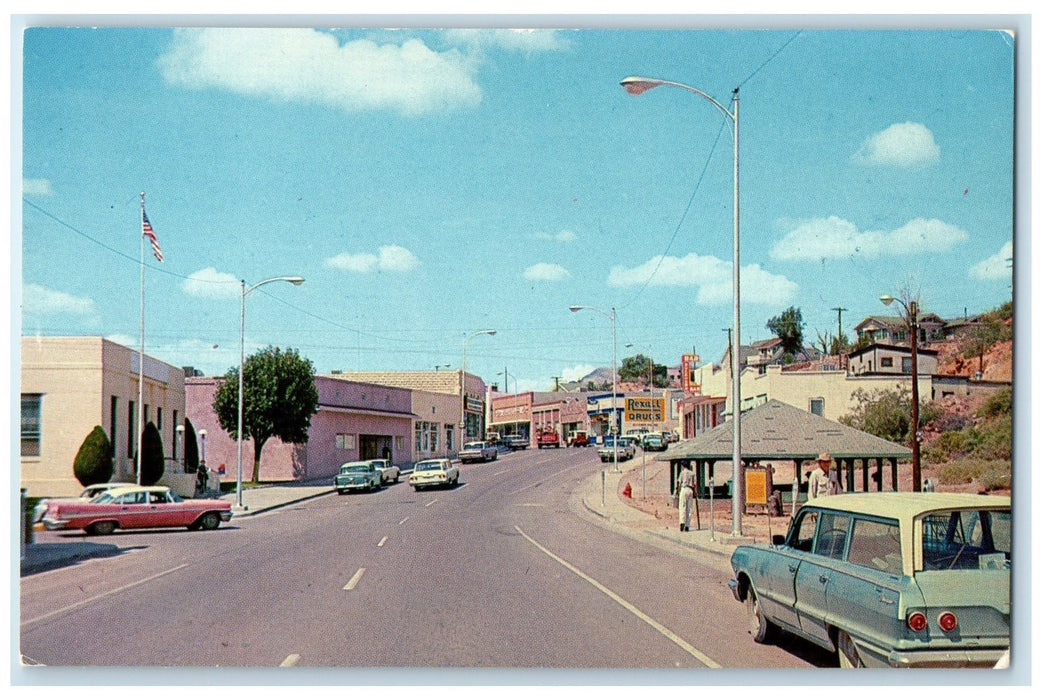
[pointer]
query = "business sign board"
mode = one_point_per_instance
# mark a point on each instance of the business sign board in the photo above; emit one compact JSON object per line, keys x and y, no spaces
{"x":688,"y":362}
{"x":645,"y":410}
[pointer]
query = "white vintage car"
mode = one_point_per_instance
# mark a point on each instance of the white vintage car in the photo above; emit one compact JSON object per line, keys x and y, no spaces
{"x":479,"y":451}
{"x":434,"y":472}
{"x":388,"y":472}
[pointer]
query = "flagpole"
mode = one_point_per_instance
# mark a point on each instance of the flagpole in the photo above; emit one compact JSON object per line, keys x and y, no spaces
{"x":141,"y":354}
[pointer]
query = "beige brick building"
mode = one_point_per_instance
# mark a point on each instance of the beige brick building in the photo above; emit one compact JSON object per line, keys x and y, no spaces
{"x":71,"y":384}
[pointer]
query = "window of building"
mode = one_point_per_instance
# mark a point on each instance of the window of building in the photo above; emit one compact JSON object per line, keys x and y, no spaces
{"x":817,"y":406}
{"x":450,"y":442}
{"x":159,"y":419}
{"x":886,"y":362}
{"x":173,"y":432}
{"x":399,"y":443}
{"x":906,"y":365}
{"x":31,"y":419}
{"x":419,"y":437}
{"x":113,"y":422}
{"x":345,"y":441}
{"x":435,"y":429}
{"x":131,"y":428}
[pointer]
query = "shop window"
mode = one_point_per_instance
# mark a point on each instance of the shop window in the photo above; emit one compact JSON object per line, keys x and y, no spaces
{"x":31,"y":419}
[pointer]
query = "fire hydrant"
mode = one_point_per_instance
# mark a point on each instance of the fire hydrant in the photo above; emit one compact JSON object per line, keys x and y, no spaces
{"x":627,"y":490}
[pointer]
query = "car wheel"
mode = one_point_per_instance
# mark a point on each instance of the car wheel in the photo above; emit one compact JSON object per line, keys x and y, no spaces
{"x":210,"y":521}
{"x":760,"y":627}
{"x":847,"y":652}
{"x":396,"y":478}
{"x":341,"y":491}
{"x":106,"y":527}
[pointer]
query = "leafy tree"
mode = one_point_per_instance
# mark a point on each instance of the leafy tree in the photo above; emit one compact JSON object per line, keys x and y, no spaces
{"x":788,"y":327}
{"x":887,"y":413}
{"x":279,"y":398}
{"x":191,"y":448}
{"x":152,"y":460}
{"x":998,"y":404}
{"x":636,"y":368}
{"x":93,"y":462}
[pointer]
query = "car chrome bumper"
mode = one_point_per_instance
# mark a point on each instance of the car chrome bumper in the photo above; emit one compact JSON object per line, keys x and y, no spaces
{"x":226,"y":515}
{"x":955,"y":658}
{"x":51,"y":524}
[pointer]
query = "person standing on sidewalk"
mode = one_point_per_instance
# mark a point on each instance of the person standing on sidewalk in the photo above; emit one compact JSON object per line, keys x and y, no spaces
{"x":685,"y":492}
{"x":818,"y":483}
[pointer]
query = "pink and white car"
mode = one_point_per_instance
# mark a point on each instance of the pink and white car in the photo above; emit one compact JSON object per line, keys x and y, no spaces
{"x":136,"y":507}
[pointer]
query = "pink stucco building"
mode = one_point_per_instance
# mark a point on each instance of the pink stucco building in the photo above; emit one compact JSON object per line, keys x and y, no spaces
{"x":354,"y":421}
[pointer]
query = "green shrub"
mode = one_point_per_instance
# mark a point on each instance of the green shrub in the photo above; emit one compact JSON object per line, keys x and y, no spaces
{"x":991,"y":474}
{"x":191,"y":448}
{"x":93,"y":462}
{"x":998,"y":404}
{"x":152,"y":462}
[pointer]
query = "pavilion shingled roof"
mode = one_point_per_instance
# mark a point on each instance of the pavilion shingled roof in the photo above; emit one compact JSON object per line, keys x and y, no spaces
{"x":776,"y":430}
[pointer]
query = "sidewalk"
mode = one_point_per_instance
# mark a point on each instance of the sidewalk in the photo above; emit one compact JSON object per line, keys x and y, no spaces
{"x":600,"y":496}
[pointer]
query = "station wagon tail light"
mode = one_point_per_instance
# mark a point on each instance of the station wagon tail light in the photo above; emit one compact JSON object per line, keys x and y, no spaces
{"x":947,"y":621}
{"x":917,"y":622}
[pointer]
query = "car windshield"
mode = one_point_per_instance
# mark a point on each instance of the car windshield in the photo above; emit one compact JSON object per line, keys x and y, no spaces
{"x":966,"y":539}
{"x":356,"y":468}
{"x":473,"y":446}
{"x":379,"y":463}
{"x":428,"y":466}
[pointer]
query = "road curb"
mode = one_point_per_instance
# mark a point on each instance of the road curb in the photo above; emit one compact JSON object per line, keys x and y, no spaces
{"x":276,"y":506}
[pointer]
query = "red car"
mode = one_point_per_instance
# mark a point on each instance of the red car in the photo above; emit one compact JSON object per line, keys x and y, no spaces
{"x":136,"y":507}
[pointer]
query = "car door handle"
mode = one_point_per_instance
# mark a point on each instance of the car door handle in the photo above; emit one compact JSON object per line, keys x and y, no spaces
{"x":822,"y":578}
{"x":886,"y":601}
{"x":792,"y":568}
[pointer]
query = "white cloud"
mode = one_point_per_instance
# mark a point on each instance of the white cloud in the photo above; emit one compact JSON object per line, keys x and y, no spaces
{"x":900,"y":145}
{"x":307,"y":65}
{"x":712,"y":277}
{"x":547,"y":272}
{"x":391,"y":258}
{"x":212,"y":284}
{"x":820,"y":239}
{"x":37,"y":186}
{"x":205,"y":355}
{"x":37,"y":299}
{"x":564,"y":236}
{"x":510,"y":39}
{"x":997,"y":267}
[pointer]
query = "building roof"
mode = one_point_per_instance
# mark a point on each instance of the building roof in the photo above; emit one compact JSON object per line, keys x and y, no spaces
{"x":905,"y":349}
{"x":776,"y":430}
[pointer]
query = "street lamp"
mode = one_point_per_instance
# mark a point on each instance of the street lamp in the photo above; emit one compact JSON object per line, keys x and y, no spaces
{"x":612,"y":430}
{"x":506,"y":381}
{"x":463,"y":384}
{"x":912,"y":318}
{"x":638,"y":86}
{"x":296,"y":282}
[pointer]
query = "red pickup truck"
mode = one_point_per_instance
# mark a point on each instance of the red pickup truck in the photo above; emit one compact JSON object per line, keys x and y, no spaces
{"x":548,"y":437}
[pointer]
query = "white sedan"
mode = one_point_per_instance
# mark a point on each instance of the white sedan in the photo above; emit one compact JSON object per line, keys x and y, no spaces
{"x":388,"y":472}
{"x":434,"y":472}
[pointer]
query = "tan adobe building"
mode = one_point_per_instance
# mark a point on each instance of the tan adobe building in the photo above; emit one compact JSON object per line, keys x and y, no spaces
{"x":71,"y":384}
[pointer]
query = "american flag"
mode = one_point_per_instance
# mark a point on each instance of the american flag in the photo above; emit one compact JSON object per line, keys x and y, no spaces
{"x":146,"y":230}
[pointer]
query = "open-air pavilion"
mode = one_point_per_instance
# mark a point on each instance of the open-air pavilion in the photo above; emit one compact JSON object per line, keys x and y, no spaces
{"x":776,"y":431}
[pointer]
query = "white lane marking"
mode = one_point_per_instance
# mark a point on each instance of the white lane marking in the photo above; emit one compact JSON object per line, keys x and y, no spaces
{"x":544,"y":480}
{"x":502,"y":472}
{"x":68,"y":608}
{"x":354,"y":580}
{"x":428,"y":505}
{"x":402,"y":521}
{"x":381,"y":544}
{"x":290,"y":661}
{"x":660,"y":628}
{"x":530,"y":505}
{"x":462,"y":486}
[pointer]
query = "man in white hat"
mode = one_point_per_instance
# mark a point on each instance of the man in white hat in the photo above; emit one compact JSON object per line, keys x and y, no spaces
{"x":818,"y":481}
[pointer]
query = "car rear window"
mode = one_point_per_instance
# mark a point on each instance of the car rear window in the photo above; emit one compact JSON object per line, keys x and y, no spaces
{"x":966,"y":539}
{"x":876,"y":544}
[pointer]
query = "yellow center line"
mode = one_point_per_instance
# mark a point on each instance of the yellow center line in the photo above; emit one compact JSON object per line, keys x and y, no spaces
{"x":659,"y":627}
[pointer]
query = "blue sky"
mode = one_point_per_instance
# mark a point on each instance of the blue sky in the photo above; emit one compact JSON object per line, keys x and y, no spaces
{"x":430,"y":183}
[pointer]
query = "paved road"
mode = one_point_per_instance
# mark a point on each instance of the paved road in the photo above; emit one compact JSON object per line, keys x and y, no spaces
{"x":504,"y":570}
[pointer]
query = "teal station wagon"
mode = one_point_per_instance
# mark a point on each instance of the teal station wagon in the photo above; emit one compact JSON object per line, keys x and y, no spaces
{"x":887,"y":579}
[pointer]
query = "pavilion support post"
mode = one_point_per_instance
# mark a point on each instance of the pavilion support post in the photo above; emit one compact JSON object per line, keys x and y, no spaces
{"x":893,"y":473}
{"x":864,"y":474}
{"x":851,"y":482}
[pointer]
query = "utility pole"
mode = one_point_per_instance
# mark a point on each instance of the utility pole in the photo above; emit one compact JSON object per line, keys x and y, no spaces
{"x":557,"y":383}
{"x":839,"y":312}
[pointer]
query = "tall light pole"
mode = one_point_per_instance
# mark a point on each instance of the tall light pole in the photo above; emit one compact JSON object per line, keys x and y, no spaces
{"x":912,"y":319}
{"x":463,"y":385}
{"x":612,"y":427}
{"x":638,"y":86}
{"x":296,"y":282}
{"x":506,"y":381}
